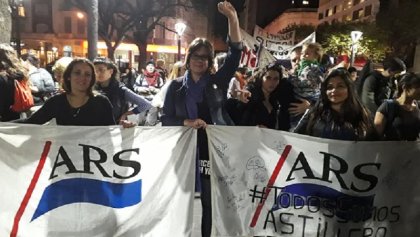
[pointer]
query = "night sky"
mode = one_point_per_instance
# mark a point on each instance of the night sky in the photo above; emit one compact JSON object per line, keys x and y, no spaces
{"x":268,"y":10}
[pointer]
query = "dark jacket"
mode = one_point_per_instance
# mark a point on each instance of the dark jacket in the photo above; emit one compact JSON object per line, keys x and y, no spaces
{"x":211,"y":109}
{"x":326,"y":127}
{"x":254,"y":112}
{"x":375,"y":90}
{"x":174,"y":109}
{"x":115,"y":93}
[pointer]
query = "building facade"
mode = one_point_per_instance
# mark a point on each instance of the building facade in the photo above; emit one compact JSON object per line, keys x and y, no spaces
{"x":52,"y":26}
{"x":330,"y":11}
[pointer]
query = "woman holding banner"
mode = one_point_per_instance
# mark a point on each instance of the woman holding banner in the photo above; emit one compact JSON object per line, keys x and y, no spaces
{"x":197,"y":98}
{"x":78,"y":105}
{"x":338,"y":114}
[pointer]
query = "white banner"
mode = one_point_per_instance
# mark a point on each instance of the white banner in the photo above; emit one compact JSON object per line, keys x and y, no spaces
{"x":253,"y":54}
{"x":274,"y":42}
{"x":285,"y":52}
{"x":274,"y":183}
{"x":96,"y":181}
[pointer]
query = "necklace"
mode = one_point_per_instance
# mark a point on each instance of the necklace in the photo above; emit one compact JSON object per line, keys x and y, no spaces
{"x":76,"y":113}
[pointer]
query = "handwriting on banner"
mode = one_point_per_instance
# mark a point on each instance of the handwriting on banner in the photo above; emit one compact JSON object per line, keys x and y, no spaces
{"x":249,"y":56}
{"x":322,"y":212}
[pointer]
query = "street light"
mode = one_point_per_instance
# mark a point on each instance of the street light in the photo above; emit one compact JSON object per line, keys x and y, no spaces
{"x":355,"y":37}
{"x":180,"y":28}
{"x":18,"y":11}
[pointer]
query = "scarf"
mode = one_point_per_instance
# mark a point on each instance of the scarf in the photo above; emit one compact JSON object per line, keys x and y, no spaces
{"x":194,"y":93}
{"x":152,"y":78}
{"x":304,"y":64}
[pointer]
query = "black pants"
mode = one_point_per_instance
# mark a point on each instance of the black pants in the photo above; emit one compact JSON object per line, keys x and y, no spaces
{"x":206,"y":206}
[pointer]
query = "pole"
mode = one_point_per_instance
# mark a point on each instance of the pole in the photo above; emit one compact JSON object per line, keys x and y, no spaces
{"x":17,"y":24}
{"x":352,"y":55}
{"x":179,"y":47}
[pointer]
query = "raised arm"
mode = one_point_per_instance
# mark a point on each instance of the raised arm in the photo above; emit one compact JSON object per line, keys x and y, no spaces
{"x":229,"y":11}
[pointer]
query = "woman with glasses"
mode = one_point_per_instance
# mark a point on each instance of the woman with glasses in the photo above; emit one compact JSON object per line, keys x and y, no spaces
{"x":197,"y":98}
{"x":78,"y":105}
{"x":119,"y":95}
{"x":268,"y":104}
{"x":338,"y":114}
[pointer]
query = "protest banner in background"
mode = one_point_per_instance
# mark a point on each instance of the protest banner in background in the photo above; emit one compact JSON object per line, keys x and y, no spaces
{"x":273,"y":183}
{"x":274,"y":42}
{"x":96,"y":181}
{"x":254,"y":54}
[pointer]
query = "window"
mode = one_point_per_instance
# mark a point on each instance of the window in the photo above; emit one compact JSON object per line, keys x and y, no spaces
{"x":67,"y":25}
{"x":320,"y":16}
{"x":355,"y":2}
{"x":358,"y":14}
{"x":80,"y":26}
{"x":368,"y":10}
{"x":339,"y":8}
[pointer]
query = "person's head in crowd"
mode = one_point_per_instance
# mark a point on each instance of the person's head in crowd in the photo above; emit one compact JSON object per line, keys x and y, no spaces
{"x":59,"y":67}
{"x":150,"y":67}
{"x":393,"y":66}
{"x":199,"y":58}
{"x":177,"y":70}
{"x":31,"y":60}
{"x":312,"y":52}
{"x":353,"y":73}
{"x":409,"y":86}
{"x":268,"y":79}
{"x":10,"y":64}
{"x":106,"y":70}
{"x":219,"y":60}
{"x":79,"y":77}
{"x":160,"y":63}
{"x":295,"y":57}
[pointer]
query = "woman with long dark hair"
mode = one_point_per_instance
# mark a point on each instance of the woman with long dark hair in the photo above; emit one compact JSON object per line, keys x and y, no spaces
{"x":338,"y":114}
{"x":108,"y":83}
{"x":269,"y":101}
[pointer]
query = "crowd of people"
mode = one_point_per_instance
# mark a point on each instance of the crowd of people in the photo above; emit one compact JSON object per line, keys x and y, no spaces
{"x":303,"y":96}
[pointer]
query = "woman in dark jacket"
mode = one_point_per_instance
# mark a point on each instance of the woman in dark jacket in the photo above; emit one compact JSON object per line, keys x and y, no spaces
{"x":338,"y":114}
{"x":269,"y":102}
{"x":118,"y":94}
{"x":197,"y":98}
{"x":11,"y":69}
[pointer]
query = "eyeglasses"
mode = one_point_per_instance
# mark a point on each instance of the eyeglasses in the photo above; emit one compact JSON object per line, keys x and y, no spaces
{"x":197,"y":57}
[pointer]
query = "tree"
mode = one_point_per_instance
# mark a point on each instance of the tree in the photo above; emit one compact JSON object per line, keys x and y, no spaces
{"x":92,"y":29}
{"x":400,"y":21}
{"x":336,"y":40}
{"x":6,"y":24}
{"x":150,"y":14}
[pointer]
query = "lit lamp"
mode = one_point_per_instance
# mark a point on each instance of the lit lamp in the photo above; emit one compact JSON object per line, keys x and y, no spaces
{"x":18,"y":11}
{"x":355,"y":37}
{"x":180,"y":28}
